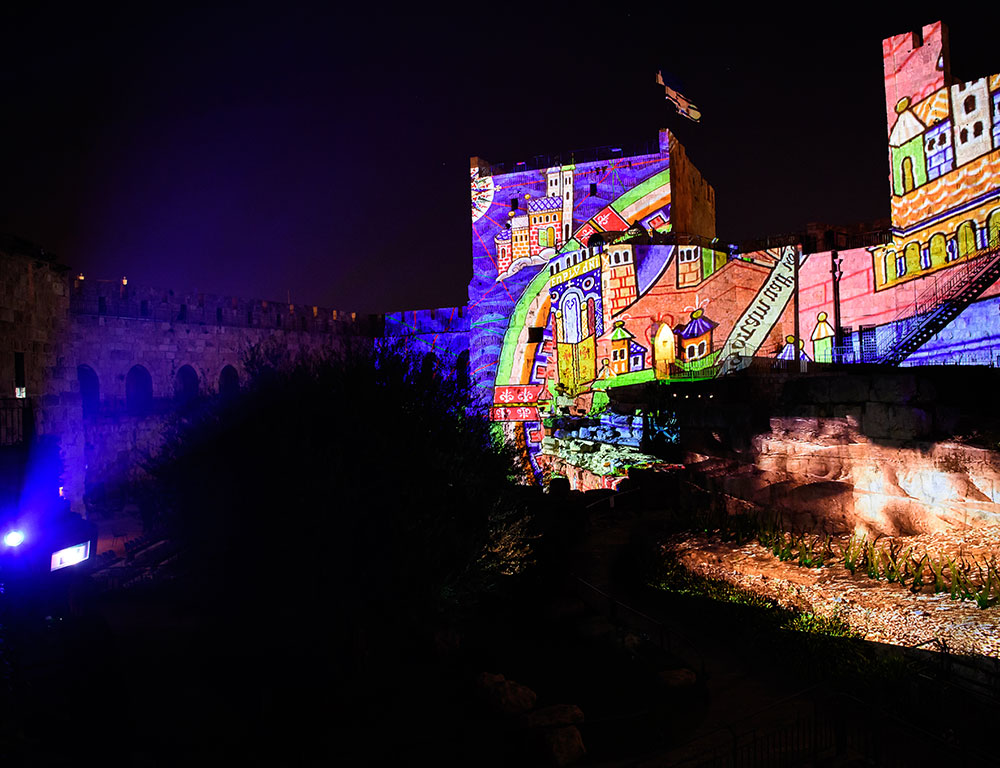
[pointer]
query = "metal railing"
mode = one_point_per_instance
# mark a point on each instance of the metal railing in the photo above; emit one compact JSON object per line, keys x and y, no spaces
{"x":948,"y":293}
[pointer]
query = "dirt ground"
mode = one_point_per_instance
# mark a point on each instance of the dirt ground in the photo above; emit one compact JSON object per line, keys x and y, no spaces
{"x":882,"y":611}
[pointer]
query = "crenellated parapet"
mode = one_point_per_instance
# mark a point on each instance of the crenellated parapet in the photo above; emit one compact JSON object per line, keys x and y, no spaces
{"x":123,"y":299}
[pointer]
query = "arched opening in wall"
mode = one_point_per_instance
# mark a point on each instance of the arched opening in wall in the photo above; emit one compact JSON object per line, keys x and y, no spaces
{"x":185,"y":385}
{"x":664,"y":350}
{"x":939,"y":250}
{"x":907,"y":173}
{"x":911,"y":256}
{"x":90,"y":390}
{"x":138,"y":391}
{"x":966,"y":238}
{"x":993,"y":228}
{"x":229,"y":382}
{"x":462,"y":368}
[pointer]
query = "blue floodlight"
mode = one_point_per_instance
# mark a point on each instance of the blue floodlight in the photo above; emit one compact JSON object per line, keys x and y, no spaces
{"x":13,"y":538}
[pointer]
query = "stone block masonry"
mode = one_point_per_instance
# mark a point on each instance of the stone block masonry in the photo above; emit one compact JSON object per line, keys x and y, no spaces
{"x":897,"y":451}
{"x":90,"y":348}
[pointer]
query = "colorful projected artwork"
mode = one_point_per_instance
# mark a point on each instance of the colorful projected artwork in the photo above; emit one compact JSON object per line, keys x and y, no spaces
{"x":591,"y":276}
{"x":944,"y":153}
{"x":586,"y":278}
{"x":942,"y":260}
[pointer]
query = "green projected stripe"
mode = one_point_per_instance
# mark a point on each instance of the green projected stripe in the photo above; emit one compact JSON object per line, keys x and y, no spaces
{"x":540,"y":281}
{"x":641,"y":190}
{"x":622,"y":379}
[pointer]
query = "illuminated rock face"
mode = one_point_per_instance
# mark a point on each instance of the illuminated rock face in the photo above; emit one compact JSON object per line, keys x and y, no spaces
{"x":850,"y":481}
{"x":868,"y":451}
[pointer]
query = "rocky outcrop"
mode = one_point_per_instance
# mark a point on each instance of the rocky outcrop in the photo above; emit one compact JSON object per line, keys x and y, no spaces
{"x":873,"y":450}
{"x":504,"y":697}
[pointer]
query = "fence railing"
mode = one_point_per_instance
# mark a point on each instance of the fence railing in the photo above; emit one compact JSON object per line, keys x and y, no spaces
{"x":948,"y":292}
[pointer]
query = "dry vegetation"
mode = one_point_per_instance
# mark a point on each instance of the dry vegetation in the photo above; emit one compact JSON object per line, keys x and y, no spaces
{"x":931,"y":614}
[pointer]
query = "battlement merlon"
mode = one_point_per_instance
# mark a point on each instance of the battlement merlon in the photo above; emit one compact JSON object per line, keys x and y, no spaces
{"x":915,"y":64}
{"x":122,"y":298}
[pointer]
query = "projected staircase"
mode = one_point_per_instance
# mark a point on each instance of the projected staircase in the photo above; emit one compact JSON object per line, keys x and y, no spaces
{"x":940,"y":303}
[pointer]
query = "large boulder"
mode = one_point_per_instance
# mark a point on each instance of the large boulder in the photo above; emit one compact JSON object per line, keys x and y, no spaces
{"x":505,"y":697}
{"x":563,"y":746}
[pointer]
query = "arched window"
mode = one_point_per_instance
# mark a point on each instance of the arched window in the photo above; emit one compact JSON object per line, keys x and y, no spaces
{"x":701,"y":348}
{"x":691,"y":351}
{"x":969,"y":104}
{"x":571,"y":317}
{"x":907,"y":172}
{"x":977,"y":128}
{"x":138,"y":391}
{"x":966,"y":238}
{"x":939,"y":250}
{"x":229,"y":382}
{"x":911,"y":255}
{"x":993,"y":228}
{"x":90,"y":390}
{"x":185,"y":385}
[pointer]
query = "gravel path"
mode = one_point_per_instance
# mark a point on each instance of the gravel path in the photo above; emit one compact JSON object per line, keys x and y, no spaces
{"x":881,"y":611}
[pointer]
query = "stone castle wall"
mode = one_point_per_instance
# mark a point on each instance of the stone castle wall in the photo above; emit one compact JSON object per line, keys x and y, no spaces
{"x":58,"y":323}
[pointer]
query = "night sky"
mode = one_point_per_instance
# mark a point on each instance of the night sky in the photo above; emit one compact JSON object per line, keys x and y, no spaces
{"x":323,"y":155}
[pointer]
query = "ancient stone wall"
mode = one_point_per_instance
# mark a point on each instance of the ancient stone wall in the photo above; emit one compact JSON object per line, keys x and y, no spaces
{"x":89,"y":347}
{"x":892,"y":451}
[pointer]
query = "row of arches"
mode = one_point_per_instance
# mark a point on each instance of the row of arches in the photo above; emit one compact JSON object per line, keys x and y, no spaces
{"x":942,"y":249}
{"x":139,"y":388}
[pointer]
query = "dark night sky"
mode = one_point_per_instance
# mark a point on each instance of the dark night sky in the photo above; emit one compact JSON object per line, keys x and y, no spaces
{"x":267,"y":151}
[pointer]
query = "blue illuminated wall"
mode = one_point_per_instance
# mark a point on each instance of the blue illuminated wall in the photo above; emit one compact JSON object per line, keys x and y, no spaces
{"x":443,"y":332}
